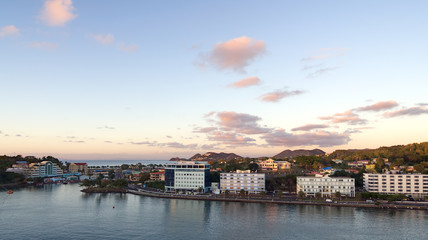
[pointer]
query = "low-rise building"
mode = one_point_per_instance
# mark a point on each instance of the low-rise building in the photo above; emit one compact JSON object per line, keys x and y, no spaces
{"x":387,"y":183}
{"x":78,"y":167}
{"x":327,"y":186}
{"x":242,"y":180}
{"x":187,"y":176}
{"x":157,"y":176}
{"x":272,"y":165}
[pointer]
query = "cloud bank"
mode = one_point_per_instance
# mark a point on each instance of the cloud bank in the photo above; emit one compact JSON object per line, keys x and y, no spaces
{"x":57,"y":13}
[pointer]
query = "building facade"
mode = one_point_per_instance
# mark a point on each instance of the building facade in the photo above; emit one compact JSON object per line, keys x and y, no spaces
{"x":407,"y":184}
{"x":327,"y":186}
{"x":78,"y":167}
{"x":272,"y":165}
{"x":41,"y":169}
{"x":187,"y":176}
{"x":242,"y":180}
{"x":157,"y":176}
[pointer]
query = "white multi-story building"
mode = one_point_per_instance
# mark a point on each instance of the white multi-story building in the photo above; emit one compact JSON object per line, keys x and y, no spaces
{"x":187,"y":176}
{"x":242,"y":180}
{"x":33,"y":170}
{"x":327,"y":186}
{"x":407,"y":184}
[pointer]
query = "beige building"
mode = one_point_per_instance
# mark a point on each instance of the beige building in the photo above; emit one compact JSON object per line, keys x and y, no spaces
{"x":407,"y":184}
{"x":327,"y":186}
{"x":78,"y":167}
{"x":157,"y":176}
{"x":272,"y":165}
{"x":242,"y":180}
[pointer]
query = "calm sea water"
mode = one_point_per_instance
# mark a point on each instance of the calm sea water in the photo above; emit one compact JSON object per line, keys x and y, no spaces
{"x":116,"y":162}
{"x":63,"y":212}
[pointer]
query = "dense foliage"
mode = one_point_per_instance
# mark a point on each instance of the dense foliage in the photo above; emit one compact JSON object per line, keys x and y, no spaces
{"x":411,"y":153}
{"x":156,"y":184}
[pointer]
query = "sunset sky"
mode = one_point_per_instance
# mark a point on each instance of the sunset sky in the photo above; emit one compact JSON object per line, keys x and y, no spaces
{"x":149,"y":80}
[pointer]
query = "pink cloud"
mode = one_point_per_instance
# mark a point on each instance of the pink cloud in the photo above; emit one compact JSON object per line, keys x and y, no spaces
{"x":105,"y":39}
{"x":345,"y":117}
{"x":240,"y":123}
{"x":235,"y":54}
{"x":309,"y":127}
{"x":278,"y":95}
{"x":9,"y":31}
{"x":246,"y":82}
{"x":44,"y":45}
{"x":320,"y":138}
{"x":380,"y":106}
{"x":57,"y":12}
{"x":230,"y":138}
{"x":412,"y":111}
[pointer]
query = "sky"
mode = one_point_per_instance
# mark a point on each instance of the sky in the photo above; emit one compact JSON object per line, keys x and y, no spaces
{"x":149,"y":80}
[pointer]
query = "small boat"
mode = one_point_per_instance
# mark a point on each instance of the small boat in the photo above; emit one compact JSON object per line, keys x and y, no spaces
{"x":10,"y":192}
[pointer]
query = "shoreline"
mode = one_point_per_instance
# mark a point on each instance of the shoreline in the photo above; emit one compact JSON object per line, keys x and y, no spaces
{"x":275,"y":201}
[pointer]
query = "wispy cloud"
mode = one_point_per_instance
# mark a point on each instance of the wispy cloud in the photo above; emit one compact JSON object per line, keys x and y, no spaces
{"x":277,"y":95}
{"x":411,"y":111}
{"x":325,"y":53}
{"x":73,"y":141}
{"x":105,"y":39}
{"x":348,"y":117}
{"x":204,"y":130}
{"x":379,"y":106}
{"x":179,"y":145}
{"x":321,"y":71}
{"x":44,"y":45}
{"x":106,"y":127}
{"x":57,"y":12}
{"x":235,"y":54}
{"x":9,"y":31}
{"x":309,"y":127}
{"x":128,"y":47}
{"x":246,"y":82}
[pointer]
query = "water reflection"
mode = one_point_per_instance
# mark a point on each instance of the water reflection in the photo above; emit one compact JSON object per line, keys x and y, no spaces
{"x":65,"y":208}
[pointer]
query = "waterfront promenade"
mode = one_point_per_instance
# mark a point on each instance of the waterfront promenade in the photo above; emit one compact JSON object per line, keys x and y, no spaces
{"x":289,"y":201}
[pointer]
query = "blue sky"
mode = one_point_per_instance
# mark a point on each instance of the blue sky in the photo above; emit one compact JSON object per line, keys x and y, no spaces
{"x":154,"y":80}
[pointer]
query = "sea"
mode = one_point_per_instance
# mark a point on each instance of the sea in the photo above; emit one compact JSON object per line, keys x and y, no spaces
{"x":60,"y":211}
{"x":116,"y":162}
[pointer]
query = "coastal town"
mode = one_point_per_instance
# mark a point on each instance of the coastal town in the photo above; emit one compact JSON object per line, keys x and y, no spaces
{"x":373,"y":181}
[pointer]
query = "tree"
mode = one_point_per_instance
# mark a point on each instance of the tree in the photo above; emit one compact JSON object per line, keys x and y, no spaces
{"x":318,"y":195}
{"x":338,"y":194}
{"x":380,"y":164}
{"x":124,"y":166}
{"x":111,"y":174}
{"x":242,"y":192}
{"x":301,"y":194}
{"x":99,"y":179}
{"x":227,"y":192}
{"x":144,"y":177}
{"x":253,"y":167}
